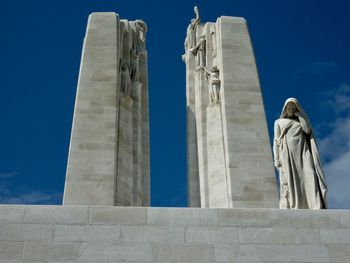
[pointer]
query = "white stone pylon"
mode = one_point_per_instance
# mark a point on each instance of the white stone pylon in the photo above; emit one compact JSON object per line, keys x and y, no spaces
{"x":228,"y":150}
{"x":108,"y":163}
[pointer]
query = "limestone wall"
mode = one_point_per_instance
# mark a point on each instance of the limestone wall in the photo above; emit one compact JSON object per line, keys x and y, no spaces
{"x":129,"y":235}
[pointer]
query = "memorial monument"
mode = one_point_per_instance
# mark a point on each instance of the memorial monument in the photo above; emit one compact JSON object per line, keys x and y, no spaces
{"x":230,"y":166}
{"x":108,"y":161}
{"x":229,"y":156}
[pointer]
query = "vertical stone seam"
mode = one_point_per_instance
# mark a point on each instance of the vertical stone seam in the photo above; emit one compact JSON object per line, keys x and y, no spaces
{"x":117,"y":115}
{"x":225,"y":159}
{"x":24,"y":213}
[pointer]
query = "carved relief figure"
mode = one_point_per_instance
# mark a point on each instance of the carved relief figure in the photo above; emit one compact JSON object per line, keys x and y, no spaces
{"x":200,"y":52}
{"x":134,"y":65}
{"x":125,"y":78}
{"x":302,"y":182}
{"x":139,"y":40}
{"x":190,"y":40}
{"x":213,"y":84}
{"x":213,"y":38}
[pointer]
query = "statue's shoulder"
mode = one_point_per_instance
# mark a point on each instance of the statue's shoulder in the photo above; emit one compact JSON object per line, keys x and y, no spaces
{"x":277,"y":121}
{"x":282,"y":121}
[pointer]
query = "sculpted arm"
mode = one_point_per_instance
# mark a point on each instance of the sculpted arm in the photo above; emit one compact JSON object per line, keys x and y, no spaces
{"x":207,"y":73}
{"x":276,"y":142}
{"x":194,"y":49}
{"x":303,"y":122}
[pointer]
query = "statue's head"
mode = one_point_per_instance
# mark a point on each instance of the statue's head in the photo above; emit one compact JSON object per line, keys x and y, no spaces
{"x":291,"y":108}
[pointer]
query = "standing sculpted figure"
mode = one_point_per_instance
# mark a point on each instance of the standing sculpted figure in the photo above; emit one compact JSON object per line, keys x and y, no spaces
{"x":302,"y":182}
{"x":125,"y":78}
{"x":134,"y":65}
{"x":213,"y":37}
{"x":190,"y":40}
{"x":200,"y":52}
{"x":213,"y":84}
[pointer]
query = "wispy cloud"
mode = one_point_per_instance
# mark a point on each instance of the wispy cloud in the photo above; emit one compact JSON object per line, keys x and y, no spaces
{"x":24,"y":194}
{"x":335,"y":148}
{"x":32,"y":197}
{"x":316,"y":68}
{"x":5,"y":175}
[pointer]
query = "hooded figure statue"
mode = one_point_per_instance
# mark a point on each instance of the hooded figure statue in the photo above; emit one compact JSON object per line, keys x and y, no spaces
{"x":302,"y":182}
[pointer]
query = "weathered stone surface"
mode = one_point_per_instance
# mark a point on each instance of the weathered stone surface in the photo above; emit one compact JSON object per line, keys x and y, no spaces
{"x":87,"y":233}
{"x":182,"y":217}
{"x":152,"y":234}
{"x":11,"y":213}
{"x":344,"y":218}
{"x":130,"y":235}
{"x":244,"y":217}
{"x":182,"y":252}
{"x":54,"y":251}
{"x":26,"y":232}
{"x":112,"y":252}
{"x":56,"y":214}
{"x":11,"y":251}
{"x":120,"y":216}
{"x":211,"y":235}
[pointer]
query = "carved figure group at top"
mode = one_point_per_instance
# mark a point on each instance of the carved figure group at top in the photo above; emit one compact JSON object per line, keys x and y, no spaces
{"x":130,"y":63}
{"x":213,"y":84}
{"x":296,"y":157}
{"x":139,"y":39}
{"x":196,"y":46}
{"x":190,"y":40}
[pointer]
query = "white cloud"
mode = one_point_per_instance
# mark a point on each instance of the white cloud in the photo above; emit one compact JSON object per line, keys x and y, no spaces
{"x":338,"y":176}
{"x":335,"y":149}
{"x":337,"y":143}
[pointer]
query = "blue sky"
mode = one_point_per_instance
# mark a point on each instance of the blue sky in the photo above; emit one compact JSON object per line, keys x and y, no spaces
{"x":301,"y":48}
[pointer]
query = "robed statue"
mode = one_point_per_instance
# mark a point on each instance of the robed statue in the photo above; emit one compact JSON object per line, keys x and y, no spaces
{"x":296,"y":157}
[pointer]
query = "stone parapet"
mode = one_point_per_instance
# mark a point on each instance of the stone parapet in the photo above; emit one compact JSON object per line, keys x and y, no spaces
{"x":130,"y":234}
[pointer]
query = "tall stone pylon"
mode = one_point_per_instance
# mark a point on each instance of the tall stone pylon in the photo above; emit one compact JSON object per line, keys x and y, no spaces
{"x":229,"y":156}
{"x":108,"y":163}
